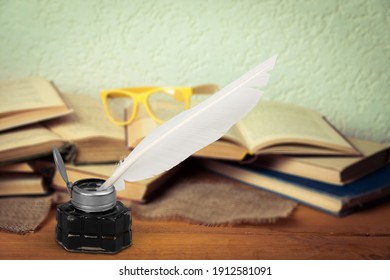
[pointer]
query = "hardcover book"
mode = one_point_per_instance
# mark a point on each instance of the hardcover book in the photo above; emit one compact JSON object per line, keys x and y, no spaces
{"x":334,"y":199}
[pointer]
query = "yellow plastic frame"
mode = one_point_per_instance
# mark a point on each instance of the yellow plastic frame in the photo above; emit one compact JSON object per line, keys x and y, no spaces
{"x":140,"y":95}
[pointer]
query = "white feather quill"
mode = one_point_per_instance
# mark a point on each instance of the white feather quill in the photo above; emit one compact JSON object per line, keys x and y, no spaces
{"x":192,"y":130}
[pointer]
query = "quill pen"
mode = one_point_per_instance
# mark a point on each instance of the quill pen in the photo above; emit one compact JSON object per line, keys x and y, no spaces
{"x":192,"y":130}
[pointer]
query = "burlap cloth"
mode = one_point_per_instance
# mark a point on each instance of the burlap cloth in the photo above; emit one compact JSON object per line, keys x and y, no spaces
{"x":23,"y":214}
{"x":210,"y":199}
{"x":202,"y":198}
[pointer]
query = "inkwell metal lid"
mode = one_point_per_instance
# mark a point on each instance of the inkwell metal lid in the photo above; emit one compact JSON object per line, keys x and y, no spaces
{"x":83,"y":193}
{"x":85,"y":197}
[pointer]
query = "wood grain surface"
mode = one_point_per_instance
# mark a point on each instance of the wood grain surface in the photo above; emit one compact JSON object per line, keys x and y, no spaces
{"x":306,"y":234}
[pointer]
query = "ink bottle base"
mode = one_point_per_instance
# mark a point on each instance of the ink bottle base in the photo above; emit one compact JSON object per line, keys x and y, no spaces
{"x":104,"y":232}
{"x":93,"y":221}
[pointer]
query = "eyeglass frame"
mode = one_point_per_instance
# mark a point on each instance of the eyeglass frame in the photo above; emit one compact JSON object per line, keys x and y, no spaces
{"x":141,"y":94}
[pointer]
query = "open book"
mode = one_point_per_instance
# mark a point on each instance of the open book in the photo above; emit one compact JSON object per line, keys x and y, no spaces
{"x":29,"y":100}
{"x":134,"y":191}
{"x":26,"y":143}
{"x":86,"y":134}
{"x":270,"y":128}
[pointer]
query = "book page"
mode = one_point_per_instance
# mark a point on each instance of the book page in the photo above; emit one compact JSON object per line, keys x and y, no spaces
{"x":277,"y":123}
{"x":27,"y":142}
{"x":234,"y":134}
{"x":27,"y":94}
{"x":28,"y":136}
{"x":88,"y":120}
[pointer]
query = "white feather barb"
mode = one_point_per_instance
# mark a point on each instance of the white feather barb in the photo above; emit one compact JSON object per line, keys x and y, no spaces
{"x":192,"y":130}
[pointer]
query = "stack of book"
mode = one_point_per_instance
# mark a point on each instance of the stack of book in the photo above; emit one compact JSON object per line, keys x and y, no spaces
{"x":34,"y":116}
{"x":297,"y":153}
{"x":282,"y":148}
{"x":24,"y":104}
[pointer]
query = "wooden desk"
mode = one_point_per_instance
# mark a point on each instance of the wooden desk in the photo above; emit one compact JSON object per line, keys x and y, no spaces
{"x":307,"y":234}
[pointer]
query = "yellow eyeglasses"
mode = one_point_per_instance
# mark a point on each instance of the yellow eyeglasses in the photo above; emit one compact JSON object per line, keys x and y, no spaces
{"x":161,"y":103}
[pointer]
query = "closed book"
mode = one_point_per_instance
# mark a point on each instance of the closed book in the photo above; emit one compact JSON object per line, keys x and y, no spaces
{"x":335,"y":199}
{"x":15,"y":184}
{"x":26,"y":179}
{"x":330,"y":169}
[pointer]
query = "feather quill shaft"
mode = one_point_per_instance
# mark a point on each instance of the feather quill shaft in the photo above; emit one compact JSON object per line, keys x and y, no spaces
{"x":193,"y":129}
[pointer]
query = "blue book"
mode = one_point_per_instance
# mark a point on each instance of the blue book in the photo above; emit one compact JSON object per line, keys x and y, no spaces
{"x":335,"y":199}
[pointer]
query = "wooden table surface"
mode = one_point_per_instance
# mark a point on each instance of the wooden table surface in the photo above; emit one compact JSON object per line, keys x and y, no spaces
{"x":306,"y":234}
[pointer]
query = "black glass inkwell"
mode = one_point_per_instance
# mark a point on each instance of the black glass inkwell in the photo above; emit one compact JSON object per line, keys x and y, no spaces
{"x":92,"y":221}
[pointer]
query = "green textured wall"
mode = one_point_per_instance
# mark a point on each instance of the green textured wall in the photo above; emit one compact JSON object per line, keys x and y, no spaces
{"x":334,"y":56}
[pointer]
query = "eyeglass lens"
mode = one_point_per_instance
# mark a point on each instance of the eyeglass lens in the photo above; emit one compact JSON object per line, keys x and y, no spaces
{"x":120,"y":106}
{"x":165,"y":104}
